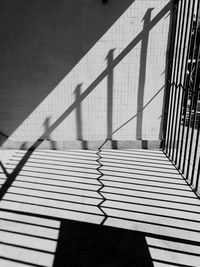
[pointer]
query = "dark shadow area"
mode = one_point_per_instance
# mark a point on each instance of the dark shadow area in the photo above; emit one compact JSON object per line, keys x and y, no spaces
{"x":41,"y":41}
{"x":84,"y":244}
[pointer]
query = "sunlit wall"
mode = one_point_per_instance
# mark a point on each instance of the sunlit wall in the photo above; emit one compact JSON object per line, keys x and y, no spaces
{"x":113,"y":89}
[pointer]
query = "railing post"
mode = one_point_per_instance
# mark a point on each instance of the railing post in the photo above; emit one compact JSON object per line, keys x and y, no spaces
{"x":181,"y":138}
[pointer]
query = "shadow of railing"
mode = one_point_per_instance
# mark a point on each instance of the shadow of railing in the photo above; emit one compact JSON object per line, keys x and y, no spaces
{"x":108,"y":70}
{"x":150,"y":199}
{"x":142,"y":74}
{"x":36,"y":54}
{"x":76,"y":104}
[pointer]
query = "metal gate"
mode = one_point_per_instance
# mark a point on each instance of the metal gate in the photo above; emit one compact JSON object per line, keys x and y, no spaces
{"x":182,"y":109}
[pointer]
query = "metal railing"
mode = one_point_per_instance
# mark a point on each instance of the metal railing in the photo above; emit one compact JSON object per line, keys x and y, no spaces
{"x":182,"y":109}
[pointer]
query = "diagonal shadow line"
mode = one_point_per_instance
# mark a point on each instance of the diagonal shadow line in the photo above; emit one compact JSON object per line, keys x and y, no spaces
{"x":73,"y":188}
{"x":105,"y":207}
{"x":142,"y":184}
{"x":82,"y":160}
{"x":104,"y":73}
{"x":115,"y":216}
{"x":108,"y":165}
{"x":173,"y":250}
{"x":150,"y":168}
{"x":55,"y":162}
{"x":58,"y":193}
{"x":125,"y":165}
{"x":157,"y":214}
{"x":147,"y":234}
{"x":124,"y":160}
{"x":21,"y":262}
{"x":139,"y":153}
{"x":65,"y":183}
{"x":138,"y":111}
{"x":175,"y":219}
{"x":54,"y":176}
{"x":25,"y":234}
{"x":20,"y":184}
{"x":27,"y":248}
{"x":51,"y":199}
{"x":69,"y":170}
{"x":108,"y":198}
{"x":107,"y":174}
{"x":152,"y":223}
{"x":122,"y":155}
{"x":114,"y":185}
{"x":11,"y":177}
{"x":107,"y":154}
{"x":160,"y":237}
{"x":145,"y":170}
{"x":54,"y":156}
{"x":29,"y":195}
{"x":151,"y":246}
{"x":171,"y":264}
{"x":90,"y":180}
{"x":30,"y":173}
{"x":66,"y":178}
{"x":56,"y":165}
{"x":123,"y":193}
{"x":4,"y":169}
{"x":58,"y":208}
{"x":155,"y":200}
{"x":121,"y":178}
{"x":29,"y":223}
{"x":89,"y":153}
{"x":133,"y":202}
{"x":56,"y":187}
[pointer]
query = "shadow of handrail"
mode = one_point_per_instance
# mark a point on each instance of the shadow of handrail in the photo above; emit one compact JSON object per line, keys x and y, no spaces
{"x":155,"y":211}
{"x":11,"y":177}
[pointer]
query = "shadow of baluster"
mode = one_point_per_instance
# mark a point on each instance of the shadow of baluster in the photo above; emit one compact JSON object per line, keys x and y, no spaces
{"x":79,"y":129}
{"x":142,"y":73}
{"x":110,"y":58}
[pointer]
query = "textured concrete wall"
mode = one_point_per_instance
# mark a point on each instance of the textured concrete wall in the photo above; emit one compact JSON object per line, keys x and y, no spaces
{"x":82,"y":70}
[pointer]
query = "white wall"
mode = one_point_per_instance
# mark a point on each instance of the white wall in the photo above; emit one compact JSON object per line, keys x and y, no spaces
{"x":136,"y":42}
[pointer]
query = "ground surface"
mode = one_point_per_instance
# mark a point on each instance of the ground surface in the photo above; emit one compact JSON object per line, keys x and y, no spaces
{"x":96,"y":208}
